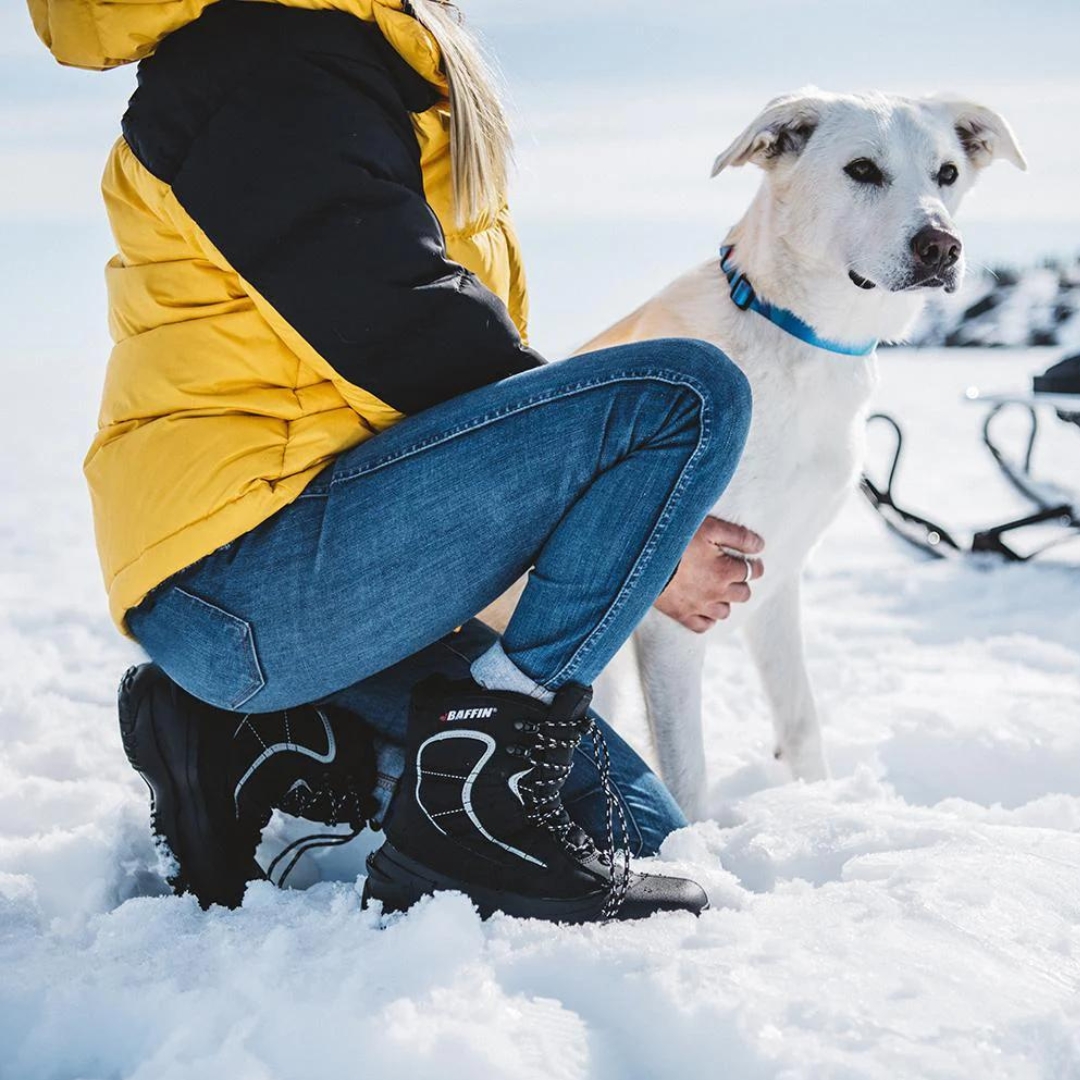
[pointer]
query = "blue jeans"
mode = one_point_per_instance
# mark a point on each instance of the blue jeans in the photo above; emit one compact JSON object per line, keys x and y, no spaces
{"x":594,"y":472}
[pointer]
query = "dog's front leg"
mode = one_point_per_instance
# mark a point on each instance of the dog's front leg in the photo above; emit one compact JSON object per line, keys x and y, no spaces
{"x":670,"y":662}
{"x":774,"y":635}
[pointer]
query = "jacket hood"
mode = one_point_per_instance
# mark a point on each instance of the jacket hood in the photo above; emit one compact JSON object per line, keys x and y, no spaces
{"x":102,"y":34}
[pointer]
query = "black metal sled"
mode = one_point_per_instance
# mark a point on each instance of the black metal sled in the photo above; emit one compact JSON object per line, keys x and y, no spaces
{"x":1058,"y":388}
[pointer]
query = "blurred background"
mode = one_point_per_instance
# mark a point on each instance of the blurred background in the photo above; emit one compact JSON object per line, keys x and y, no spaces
{"x":619,"y":109}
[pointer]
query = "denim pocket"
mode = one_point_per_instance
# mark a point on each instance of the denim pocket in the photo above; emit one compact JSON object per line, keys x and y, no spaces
{"x":206,"y":649}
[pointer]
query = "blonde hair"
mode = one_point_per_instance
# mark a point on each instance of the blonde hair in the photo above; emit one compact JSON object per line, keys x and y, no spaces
{"x":480,"y":142}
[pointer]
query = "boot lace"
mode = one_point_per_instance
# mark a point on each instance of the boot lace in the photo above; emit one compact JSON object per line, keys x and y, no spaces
{"x":330,"y":802}
{"x":541,"y":794}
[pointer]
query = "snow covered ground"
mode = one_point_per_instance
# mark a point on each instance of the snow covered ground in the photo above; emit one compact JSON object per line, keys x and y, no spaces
{"x":916,"y":917}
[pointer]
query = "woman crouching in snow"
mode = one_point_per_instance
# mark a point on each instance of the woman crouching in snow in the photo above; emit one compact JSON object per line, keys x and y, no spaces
{"x":324,"y":447}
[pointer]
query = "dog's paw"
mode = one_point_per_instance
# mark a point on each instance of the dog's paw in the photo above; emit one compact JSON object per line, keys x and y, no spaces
{"x":806,"y":762}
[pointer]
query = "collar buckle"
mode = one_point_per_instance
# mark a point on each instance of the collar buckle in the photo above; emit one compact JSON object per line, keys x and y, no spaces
{"x":742,"y":292}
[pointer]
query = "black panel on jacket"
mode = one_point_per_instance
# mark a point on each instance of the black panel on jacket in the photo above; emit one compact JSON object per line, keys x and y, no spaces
{"x":286,"y":135}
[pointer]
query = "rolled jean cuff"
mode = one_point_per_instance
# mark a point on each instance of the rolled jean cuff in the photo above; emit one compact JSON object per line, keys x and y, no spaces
{"x":494,"y":670}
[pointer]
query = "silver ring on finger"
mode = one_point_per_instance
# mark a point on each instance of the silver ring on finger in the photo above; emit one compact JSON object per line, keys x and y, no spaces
{"x":749,"y":569}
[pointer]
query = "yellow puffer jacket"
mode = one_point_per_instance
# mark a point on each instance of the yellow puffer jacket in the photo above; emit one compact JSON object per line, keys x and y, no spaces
{"x":288,"y":281}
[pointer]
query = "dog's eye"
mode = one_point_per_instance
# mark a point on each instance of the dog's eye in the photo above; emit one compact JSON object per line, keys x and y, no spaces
{"x":948,"y":174}
{"x":864,"y":171}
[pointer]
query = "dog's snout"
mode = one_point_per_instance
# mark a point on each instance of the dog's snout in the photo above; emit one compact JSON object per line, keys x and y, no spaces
{"x":935,"y":249}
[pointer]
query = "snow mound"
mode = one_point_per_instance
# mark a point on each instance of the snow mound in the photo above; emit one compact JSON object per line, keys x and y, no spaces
{"x":917,"y":916}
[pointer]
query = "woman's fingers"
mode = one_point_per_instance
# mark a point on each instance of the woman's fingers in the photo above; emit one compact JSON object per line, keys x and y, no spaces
{"x":743,"y":569}
{"x":715,"y":572}
{"x":718,"y":612}
{"x":734,"y":537}
{"x":737,"y":593}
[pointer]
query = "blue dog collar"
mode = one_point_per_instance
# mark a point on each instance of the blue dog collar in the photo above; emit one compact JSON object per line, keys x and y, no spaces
{"x":746,"y":299}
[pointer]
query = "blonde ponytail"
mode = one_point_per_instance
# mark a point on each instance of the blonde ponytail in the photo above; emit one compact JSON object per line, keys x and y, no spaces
{"x":480,"y":143}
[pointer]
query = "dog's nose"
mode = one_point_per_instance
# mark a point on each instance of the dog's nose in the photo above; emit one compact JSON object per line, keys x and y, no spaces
{"x":935,"y":249}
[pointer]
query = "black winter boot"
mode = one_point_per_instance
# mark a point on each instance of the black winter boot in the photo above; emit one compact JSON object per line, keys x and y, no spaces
{"x":216,"y":776}
{"x":479,"y":810}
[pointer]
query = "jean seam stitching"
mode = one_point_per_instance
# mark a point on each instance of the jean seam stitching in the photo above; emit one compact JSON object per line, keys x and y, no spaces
{"x":579,"y":655}
{"x":663,"y":375}
{"x":259,"y":679}
{"x":256,"y":677}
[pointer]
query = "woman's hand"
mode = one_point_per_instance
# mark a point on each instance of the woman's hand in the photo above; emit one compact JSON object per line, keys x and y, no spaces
{"x":710,"y":579}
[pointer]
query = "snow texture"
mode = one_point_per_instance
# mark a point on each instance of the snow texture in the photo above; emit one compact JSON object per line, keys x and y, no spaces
{"x":918,"y":916}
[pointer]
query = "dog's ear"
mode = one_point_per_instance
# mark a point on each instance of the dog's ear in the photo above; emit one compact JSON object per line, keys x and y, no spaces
{"x":784,"y":126}
{"x":984,"y":134}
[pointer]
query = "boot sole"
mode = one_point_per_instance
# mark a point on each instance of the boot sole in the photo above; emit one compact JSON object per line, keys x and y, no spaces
{"x":167,"y":758}
{"x":398,"y":882}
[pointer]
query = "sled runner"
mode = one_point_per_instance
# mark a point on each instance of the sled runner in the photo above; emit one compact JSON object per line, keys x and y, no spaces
{"x":1056,"y":509}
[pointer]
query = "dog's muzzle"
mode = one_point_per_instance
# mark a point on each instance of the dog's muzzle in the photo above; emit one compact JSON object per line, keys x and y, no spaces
{"x":935,"y":263}
{"x":936,"y":257}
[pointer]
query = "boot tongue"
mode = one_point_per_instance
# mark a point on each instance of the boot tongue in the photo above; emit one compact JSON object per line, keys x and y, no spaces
{"x":558,"y":736}
{"x":569,"y":712}
{"x":571,"y":703}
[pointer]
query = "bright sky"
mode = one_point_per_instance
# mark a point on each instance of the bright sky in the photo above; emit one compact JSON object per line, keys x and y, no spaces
{"x":620,"y":107}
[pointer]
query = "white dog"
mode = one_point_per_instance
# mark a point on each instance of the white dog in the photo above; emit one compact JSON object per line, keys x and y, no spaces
{"x":851,"y":227}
